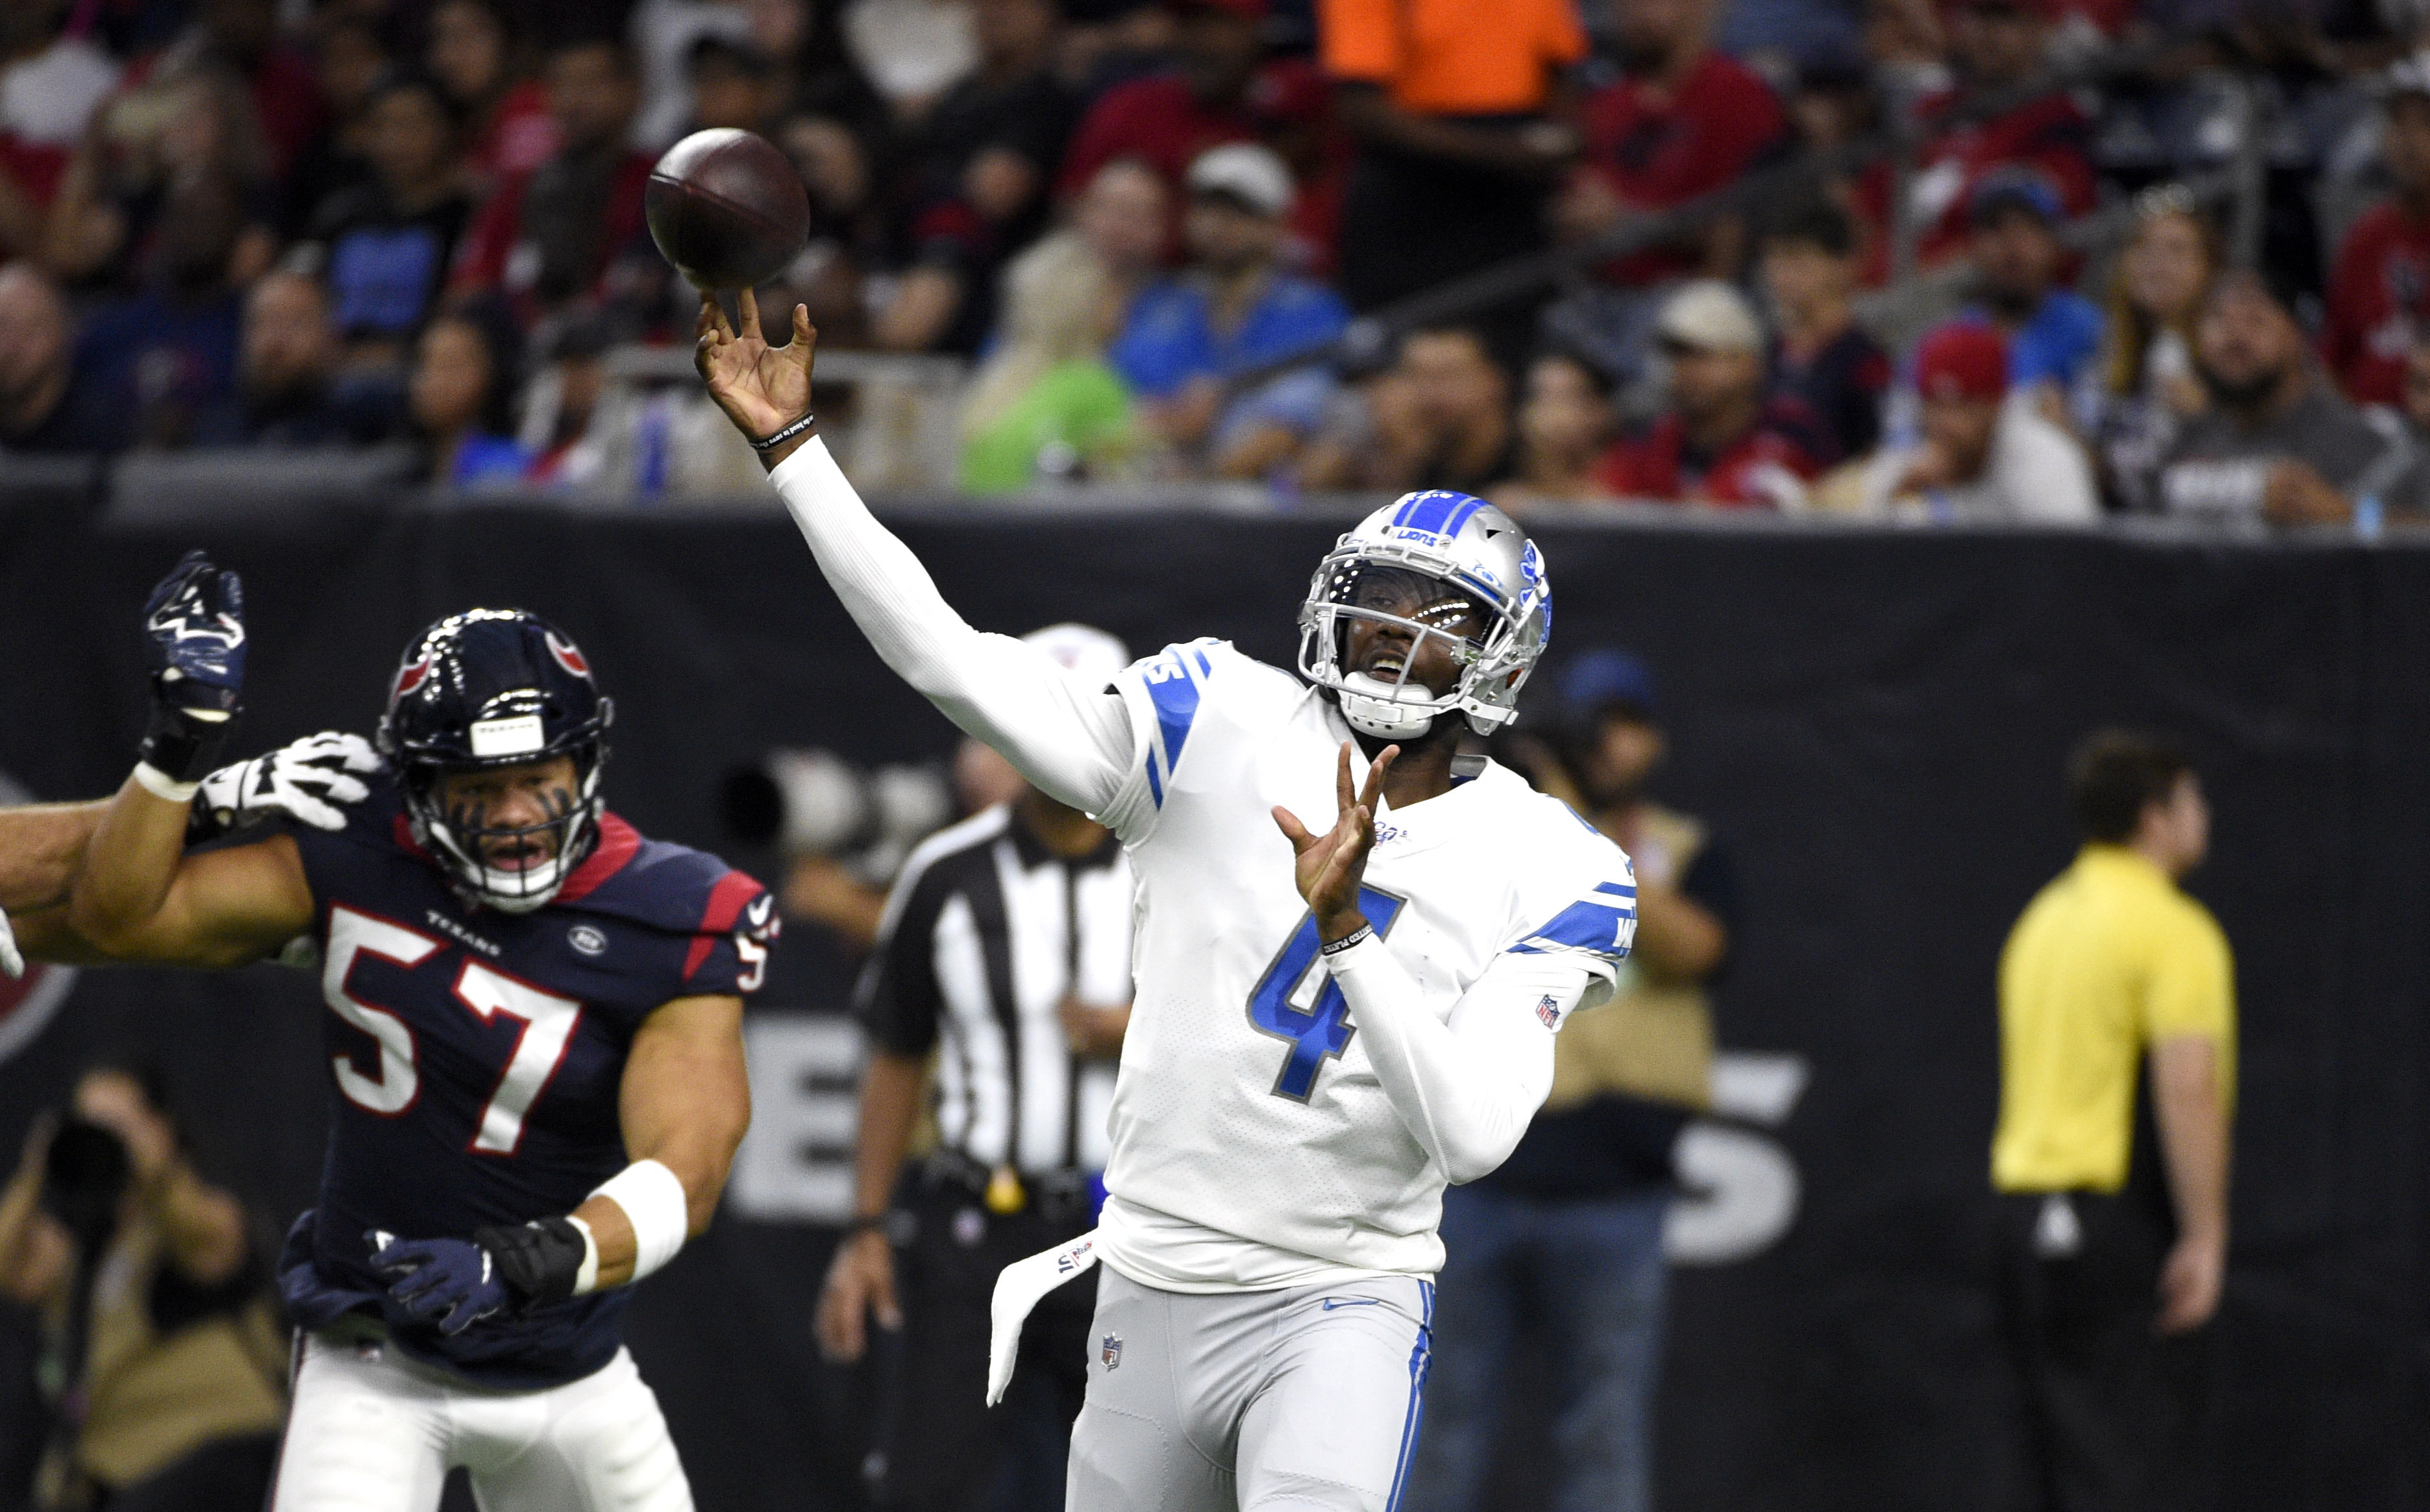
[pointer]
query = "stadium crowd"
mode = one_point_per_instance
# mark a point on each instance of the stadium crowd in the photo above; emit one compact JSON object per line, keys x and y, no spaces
{"x":418,"y":223}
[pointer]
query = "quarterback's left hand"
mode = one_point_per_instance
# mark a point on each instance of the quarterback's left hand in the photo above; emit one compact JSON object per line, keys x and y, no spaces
{"x":309,"y":780}
{"x":1331,"y":865}
{"x":453,"y":1282}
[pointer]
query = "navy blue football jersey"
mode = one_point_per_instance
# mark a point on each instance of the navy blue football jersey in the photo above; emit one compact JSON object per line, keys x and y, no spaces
{"x":475,"y":1059}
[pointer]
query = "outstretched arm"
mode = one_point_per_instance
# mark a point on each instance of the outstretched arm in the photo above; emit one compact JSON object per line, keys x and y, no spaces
{"x":686,"y":1103}
{"x":1074,"y":741}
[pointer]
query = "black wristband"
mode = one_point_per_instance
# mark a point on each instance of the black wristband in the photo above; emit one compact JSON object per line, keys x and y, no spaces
{"x":182,"y":748}
{"x":1363,"y":933}
{"x":538,"y":1259}
{"x":785,"y":433}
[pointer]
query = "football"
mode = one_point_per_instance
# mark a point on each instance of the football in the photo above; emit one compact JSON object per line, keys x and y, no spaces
{"x":727,"y":207}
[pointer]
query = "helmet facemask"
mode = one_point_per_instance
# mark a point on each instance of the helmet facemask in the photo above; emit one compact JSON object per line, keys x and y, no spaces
{"x":1479,"y":633}
{"x":462,"y":847}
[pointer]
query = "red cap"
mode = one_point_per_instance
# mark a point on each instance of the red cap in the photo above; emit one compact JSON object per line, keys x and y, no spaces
{"x":1962,"y":361}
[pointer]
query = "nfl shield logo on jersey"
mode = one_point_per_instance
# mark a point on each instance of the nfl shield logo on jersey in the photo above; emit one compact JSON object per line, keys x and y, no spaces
{"x":1111,"y":1351}
{"x":1550,"y":1012}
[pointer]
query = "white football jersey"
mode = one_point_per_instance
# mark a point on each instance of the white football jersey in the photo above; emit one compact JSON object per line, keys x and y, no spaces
{"x":1253,"y":1144}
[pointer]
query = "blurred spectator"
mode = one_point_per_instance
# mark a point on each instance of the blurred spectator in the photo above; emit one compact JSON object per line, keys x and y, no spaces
{"x":167,"y":355}
{"x":475,"y":54}
{"x":1565,"y":425}
{"x":2053,"y":332}
{"x":48,"y":402}
{"x":389,"y":240}
{"x":2148,"y":385}
{"x":288,"y":392}
{"x":2401,"y":480}
{"x":1044,"y":408}
{"x":561,"y":403}
{"x":1439,"y":418}
{"x":664,"y":32}
{"x":983,"y":156}
{"x":2278,"y":442}
{"x":852,"y":239}
{"x":2379,"y":291}
{"x":552,"y":234}
{"x":177,"y":126}
{"x":50,"y":84}
{"x":732,"y":85}
{"x":1122,"y":215}
{"x":1820,"y":356}
{"x":1997,"y":45}
{"x":1219,"y":93}
{"x":1722,"y":440}
{"x":1108,"y":43}
{"x":1681,"y":121}
{"x":810,"y":69}
{"x":1448,"y":101}
{"x":1987,"y":453}
{"x":1232,"y":311}
{"x":1566,"y":1235}
{"x":912,"y":51}
{"x":241,"y":36}
{"x":349,"y":63}
{"x":162,"y":1357}
{"x":461,"y":398}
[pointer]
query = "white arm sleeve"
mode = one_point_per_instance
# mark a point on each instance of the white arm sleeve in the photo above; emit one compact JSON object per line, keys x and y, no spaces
{"x":1465,"y":1086}
{"x":1074,"y":741}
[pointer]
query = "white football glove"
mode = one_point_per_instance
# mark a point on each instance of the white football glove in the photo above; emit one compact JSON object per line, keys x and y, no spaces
{"x":11,"y":962}
{"x":309,"y":781}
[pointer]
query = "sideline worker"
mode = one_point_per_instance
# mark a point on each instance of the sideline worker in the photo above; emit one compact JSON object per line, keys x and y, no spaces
{"x":2110,"y":968}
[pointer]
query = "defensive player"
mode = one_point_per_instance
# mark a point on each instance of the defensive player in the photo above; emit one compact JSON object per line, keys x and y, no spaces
{"x":1331,"y":1024}
{"x":534,"y":1041}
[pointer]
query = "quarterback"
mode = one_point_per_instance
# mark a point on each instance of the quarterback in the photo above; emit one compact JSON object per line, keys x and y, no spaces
{"x":1334,"y":1017}
{"x":534,"y":1046}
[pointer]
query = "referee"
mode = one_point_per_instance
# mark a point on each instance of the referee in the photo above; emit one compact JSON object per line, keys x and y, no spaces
{"x":1003,"y":956}
{"x":2112,"y":1258}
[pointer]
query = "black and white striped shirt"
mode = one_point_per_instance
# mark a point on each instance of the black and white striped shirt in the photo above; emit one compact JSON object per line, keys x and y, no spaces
{"x":986,"y":934}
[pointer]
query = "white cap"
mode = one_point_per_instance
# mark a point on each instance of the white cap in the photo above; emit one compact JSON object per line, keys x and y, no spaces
{"x":1709,"y":316}
{"x":1085,"y":651}
{"x":1250,"y":174}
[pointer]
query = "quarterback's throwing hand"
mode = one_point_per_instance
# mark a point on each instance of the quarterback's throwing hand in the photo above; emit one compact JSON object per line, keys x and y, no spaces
{"x":1331,"y":865}
{"x":762,"y":389}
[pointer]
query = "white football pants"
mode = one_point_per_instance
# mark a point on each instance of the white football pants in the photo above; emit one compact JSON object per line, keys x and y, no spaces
{"x":373,"y":1431}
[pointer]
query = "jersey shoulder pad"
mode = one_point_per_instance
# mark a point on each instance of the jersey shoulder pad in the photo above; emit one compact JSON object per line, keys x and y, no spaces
{"x":1579,"y":894}
{"x":728,"y":914}
{"x":1177,"y":687}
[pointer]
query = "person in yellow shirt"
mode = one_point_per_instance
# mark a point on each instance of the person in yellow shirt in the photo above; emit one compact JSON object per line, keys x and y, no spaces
{"x":2115,"y":1224}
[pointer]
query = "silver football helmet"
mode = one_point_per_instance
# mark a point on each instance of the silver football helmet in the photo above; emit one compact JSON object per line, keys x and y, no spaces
{"x":1471,"y":555}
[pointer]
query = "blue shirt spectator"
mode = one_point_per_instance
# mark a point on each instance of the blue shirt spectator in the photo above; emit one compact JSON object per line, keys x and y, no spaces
{"x":2053,"y":332}
{"x":1232,"y":312}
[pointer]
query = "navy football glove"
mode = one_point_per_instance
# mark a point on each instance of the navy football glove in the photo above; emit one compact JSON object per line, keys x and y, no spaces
{"x":193,"y":631}
{"x":452,"y":1283}
{"x":311,"y":781}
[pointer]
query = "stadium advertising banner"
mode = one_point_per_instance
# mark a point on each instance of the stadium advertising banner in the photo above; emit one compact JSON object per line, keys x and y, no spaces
{"x":1875,"y":722}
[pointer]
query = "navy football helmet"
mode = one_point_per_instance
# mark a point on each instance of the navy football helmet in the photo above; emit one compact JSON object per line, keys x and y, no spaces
{"x":496,"y":687}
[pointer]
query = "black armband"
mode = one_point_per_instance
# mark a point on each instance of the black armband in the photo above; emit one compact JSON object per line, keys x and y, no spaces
{"x":539,"y":1259}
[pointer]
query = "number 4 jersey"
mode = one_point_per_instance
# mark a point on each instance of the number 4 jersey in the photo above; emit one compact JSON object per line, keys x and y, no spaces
{"x":1254,"y":1143}
{"x":475,"y":1058}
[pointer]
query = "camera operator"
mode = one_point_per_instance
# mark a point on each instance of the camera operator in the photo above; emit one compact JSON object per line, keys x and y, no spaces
{"x":162,"y":1364}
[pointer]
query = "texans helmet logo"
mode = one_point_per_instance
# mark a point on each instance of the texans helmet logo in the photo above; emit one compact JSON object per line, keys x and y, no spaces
{"x":567,"y":656}
{"x":410,"y":679}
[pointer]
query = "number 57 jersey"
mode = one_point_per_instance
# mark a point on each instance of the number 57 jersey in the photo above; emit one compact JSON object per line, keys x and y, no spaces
{"x":1254,"y":1145}
{"x":476,"y":1059}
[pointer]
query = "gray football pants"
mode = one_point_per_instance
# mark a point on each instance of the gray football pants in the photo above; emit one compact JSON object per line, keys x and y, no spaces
{"x":1302,"y":1398}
